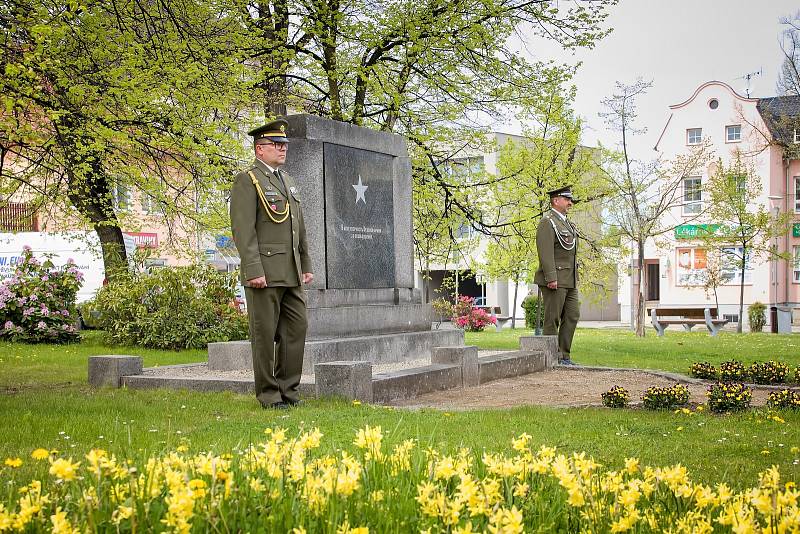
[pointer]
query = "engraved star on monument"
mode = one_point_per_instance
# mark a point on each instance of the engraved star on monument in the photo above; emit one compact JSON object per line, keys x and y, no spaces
{"x":360,"y":189}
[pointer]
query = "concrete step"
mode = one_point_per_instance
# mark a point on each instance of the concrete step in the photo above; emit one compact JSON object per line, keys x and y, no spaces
{"x":510,"y":364}
{"x":236,"y":355}
{"x":185,"y":377}
{"x":366,"y":319}
{"x":409,"y":383}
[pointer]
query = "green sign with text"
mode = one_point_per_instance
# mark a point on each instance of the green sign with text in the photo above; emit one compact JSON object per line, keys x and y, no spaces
{"x":691,"y":231}
{"x":796,"y":230}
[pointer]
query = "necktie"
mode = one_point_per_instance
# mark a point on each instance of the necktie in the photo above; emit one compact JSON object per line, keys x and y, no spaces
{"x":283,"y":183}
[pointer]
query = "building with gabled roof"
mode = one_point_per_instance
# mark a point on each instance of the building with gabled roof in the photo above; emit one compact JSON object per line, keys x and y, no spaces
{"x":765,"y":133}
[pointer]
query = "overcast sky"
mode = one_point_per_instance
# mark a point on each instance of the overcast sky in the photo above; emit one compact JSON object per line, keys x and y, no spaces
{"x":678,"y":44}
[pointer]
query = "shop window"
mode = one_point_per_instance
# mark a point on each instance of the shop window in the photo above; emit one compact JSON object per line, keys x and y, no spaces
{"x":691,"y":266}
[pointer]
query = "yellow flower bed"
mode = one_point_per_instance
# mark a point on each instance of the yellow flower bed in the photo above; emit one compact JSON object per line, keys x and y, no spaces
{"x":285,"y":484}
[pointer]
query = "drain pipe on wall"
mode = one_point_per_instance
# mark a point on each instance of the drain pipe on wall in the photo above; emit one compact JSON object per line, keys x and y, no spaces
{"x":789,"y":263}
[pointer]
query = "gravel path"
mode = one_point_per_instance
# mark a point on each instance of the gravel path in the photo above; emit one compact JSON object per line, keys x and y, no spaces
{"x":558,"y":387}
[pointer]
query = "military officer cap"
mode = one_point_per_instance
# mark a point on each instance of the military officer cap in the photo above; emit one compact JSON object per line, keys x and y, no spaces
{"x":274,"y":131}
{"x":565,"y":192}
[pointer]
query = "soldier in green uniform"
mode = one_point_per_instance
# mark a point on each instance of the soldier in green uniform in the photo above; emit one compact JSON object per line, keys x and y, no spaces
{"x":270,"y":235}
{"x":557,"y":275}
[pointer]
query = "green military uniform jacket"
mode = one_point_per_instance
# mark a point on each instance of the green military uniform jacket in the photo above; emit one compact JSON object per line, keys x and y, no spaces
{"x":556,"y":244}
{"x":275,"y":250}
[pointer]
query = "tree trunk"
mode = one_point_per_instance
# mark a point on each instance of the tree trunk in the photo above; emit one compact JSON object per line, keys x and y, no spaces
{"x":90,"y":192}
{"x":514,"y":304}
{"x":741,"y":300}
{"x":274,"y":26}
{"x":92,"y":197}
{"x":640,"y":331}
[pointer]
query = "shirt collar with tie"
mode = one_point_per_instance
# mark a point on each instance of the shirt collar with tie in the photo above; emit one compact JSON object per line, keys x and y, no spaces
{"x":563,"y":217}
{"x":276,"y":173}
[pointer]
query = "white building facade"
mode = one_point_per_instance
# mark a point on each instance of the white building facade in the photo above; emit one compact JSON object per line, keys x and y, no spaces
{"x":674,"y":265}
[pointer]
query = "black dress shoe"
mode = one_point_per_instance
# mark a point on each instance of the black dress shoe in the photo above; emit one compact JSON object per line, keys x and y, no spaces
{"x":293,"y":403}
{"x":280,"y":405}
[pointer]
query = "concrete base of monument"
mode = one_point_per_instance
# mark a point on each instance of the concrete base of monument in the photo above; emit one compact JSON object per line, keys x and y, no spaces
{"x":447,"y":368}
{"x":378,"y":349}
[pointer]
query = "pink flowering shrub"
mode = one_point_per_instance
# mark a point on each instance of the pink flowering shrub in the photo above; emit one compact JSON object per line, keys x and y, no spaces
{"x":470,"y":318}
{"x":37,"y":304}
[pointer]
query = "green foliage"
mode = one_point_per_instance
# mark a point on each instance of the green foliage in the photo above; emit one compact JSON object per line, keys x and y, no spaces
{"x":770,"y":372}
{"x":37,"y":304}
{"x":703,"y":370}
{"x":728,"y":397}
{"x":442,"y":308}
{"x":666,"y":398}
{"x":745,"y":226}
{"x":616,"y":397}
{"x":785,"y":398}
{"x":89,"y":315}
{"x":732,"y":371}
{"x":171,"y":308}
{"x":98,"y":111}
{"x":530,"y":304}
{"x":756,"y":315}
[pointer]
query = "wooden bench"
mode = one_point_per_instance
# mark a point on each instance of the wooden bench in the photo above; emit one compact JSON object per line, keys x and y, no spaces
{"x":664,"y":316}
{"x":500,"y":319}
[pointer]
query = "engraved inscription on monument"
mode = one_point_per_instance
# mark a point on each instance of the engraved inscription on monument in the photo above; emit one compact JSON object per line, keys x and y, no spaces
{"x":359,"y":218}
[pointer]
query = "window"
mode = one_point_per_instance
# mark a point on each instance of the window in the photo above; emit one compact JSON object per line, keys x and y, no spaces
{"x":122,"y":197}
{"x":692,"y":264}
{"x":732,"y":258}
{"x":796,"y":264}
{"x":692,"y":195}
{"x":694,"y":136}
{"x":149,"y":204}
{"x":796,"y":135}
{"x":713,"y":103}
{"x":733,"y":133}
{"x":797,"y":194}
{"x":465,"y":231}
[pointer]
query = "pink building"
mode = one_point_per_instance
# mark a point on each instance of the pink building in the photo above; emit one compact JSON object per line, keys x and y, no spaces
{"x":755,"y":129}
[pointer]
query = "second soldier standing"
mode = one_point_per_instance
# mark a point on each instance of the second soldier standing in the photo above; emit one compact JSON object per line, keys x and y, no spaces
{"x":557,"y":275}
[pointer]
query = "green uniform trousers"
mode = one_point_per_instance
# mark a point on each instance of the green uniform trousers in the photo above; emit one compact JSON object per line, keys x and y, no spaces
{"x":562,"y":309}
{"x":278,"y":327}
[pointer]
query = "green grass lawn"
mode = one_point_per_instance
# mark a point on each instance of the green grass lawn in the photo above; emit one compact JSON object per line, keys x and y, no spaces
{"x":675,"y":351}
{"x":45,"y":402}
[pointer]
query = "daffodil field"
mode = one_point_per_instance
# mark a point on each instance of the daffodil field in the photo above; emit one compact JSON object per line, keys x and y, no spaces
{"x":285,"y":484}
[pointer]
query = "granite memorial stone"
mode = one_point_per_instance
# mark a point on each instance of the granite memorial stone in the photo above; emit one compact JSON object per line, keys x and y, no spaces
{"x":359,"y":218}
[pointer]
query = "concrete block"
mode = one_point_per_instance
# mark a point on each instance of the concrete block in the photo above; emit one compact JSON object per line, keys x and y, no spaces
{"x":235,"y":355}
{"x":466,"y":357}
{"x":230,"y":356}
{"x":349,"y":379}
{"x":510,"y":364}
{"x":362,"y":320}
{"x":243,"y":386}
{"x":546,"y":344}
{"x":403,"y":228}
{"x":408,"y":383}
{"x":109,"y":370}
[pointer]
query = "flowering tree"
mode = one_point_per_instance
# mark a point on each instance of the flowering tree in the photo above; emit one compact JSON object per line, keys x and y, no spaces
{"x":37,"y":304}
{"x":470,"y":318}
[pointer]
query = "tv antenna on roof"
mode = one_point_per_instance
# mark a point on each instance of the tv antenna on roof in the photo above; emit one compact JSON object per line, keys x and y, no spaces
{"x":748,"y":77}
